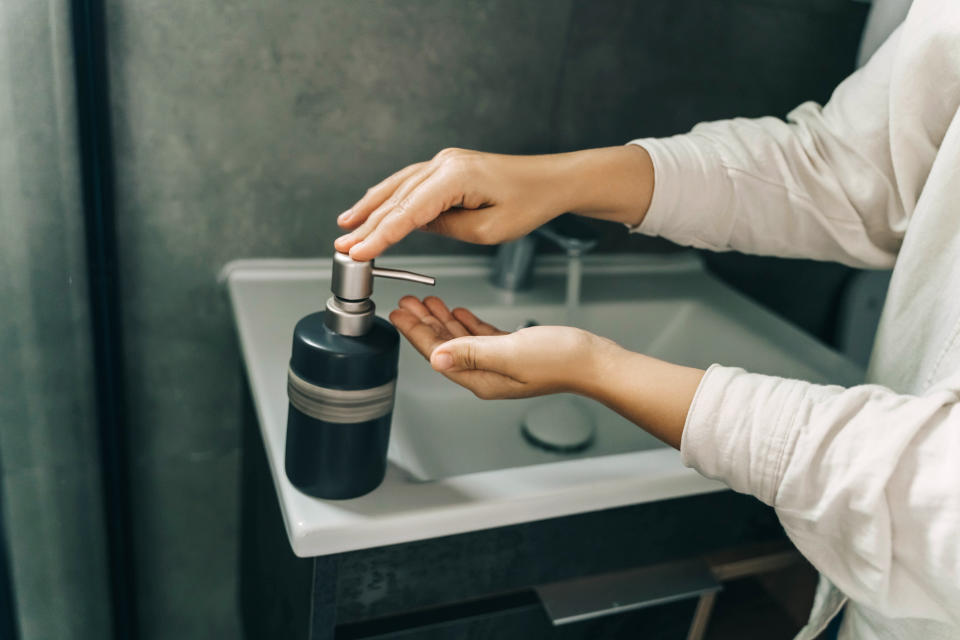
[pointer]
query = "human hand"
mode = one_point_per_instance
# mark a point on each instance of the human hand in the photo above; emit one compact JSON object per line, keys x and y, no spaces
{"x":488,"y":198}
{"x":483,"y":198}
{"x":493,"y":363}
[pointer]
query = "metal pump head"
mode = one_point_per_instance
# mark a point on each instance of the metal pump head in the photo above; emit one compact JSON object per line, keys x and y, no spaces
{"x":350,"y":310}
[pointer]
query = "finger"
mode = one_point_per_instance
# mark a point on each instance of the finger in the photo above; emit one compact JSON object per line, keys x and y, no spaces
{"x":484,"y":384}
{"x":436,"y":306}
{"x":375,"y":196}
{"x":429,"y":199}
{"x":440,"y":311}
{"x":475,"y":325}
{"x":423,"y":337}
{"x":425,"y":316}
{"x":390,"y":203}
{"x":487,"y":353}
{"x":414,"y":306}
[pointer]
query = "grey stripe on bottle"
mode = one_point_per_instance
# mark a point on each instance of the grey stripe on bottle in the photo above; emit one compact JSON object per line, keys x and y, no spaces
{"x":338,"y":405}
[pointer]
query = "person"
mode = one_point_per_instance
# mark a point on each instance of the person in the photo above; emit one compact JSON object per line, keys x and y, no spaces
{"x":865,"y":480}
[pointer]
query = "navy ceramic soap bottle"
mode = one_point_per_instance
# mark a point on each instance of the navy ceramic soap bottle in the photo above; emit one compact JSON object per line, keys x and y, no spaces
{"x":343,"y":372}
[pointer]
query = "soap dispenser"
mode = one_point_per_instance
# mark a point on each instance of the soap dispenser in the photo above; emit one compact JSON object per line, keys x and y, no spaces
{"x":341,"y":382}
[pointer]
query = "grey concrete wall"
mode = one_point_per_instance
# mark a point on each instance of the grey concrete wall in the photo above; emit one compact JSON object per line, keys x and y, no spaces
{"x":242,"y":128}
{"x":48,"y":455}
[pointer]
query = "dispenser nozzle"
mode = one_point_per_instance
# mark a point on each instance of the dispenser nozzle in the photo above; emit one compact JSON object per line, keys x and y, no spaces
{"x":400,"y":274}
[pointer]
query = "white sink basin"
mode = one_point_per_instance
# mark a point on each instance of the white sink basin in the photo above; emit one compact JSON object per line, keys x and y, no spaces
{"x":458,"y":463}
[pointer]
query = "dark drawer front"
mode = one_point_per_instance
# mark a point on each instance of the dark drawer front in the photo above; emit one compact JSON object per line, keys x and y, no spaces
{"x":665,"y":622}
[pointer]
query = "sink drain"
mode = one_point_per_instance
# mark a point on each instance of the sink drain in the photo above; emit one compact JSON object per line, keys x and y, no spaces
{"x":560,"y":424}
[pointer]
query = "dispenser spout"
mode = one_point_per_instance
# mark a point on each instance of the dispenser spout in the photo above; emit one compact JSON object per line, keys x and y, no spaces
{"x":400,"y":274}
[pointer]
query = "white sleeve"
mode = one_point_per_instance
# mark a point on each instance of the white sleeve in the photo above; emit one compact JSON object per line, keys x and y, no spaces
{"x":865,"y":481}
{"x":820,"y":185}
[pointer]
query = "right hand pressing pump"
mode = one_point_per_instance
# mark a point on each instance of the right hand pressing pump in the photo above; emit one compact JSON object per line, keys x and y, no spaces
{"x":488,"y":198}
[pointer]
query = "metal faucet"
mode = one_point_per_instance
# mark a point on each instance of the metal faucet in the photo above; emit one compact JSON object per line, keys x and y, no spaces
{"x":513,"y":264}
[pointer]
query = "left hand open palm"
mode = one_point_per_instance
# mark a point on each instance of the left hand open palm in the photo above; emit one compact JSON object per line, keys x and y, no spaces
{"x":493,"y":363}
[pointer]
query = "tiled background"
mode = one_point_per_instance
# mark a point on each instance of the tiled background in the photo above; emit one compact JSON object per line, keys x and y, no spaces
{"x":241,"y":129}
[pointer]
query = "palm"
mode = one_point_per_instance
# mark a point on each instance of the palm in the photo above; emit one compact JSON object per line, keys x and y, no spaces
{"x":429,"y":323}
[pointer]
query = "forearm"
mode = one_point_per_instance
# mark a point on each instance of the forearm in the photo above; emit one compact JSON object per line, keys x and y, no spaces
{"x":653,"y":394}
{"x":611,"y":183}
{"x":820,"y":185}
{"x":877,"y":515}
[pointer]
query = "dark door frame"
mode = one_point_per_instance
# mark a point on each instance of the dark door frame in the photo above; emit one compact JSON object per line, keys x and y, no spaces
{"x":88,"y":29}
{"x":8,"y":606}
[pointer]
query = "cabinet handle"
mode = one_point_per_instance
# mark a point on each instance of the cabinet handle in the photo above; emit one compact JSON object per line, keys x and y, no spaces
{"x":610,"y":593}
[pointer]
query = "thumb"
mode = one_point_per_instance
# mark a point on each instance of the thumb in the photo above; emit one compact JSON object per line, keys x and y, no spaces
{"x":488,"y":353}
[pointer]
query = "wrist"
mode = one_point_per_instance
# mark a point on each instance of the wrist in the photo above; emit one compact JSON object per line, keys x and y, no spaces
{"x":602,"y":361}
{"x":611,"y":183}
{"x":653,"y":394}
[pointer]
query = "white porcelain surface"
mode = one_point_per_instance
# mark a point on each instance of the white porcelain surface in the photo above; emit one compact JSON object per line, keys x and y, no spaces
{"x":459,"y":464}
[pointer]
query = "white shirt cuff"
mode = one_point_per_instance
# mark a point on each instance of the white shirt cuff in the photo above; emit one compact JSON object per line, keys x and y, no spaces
{"x":692,"y":193}
{"x":741,"y":427}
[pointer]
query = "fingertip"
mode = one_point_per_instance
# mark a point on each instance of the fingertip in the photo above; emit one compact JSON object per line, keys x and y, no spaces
{"x":396,"y":317}
{"x":402,"y":319}
{"x":368,"y":249}
{"x":359,"y":252}
{"x":461,"y":313}
{"x":435,"y":301}
{"x":349,"y":220}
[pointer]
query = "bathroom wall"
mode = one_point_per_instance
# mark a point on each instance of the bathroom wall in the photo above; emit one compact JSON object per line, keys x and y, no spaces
{"x":242,"y":128}
{"x":658,"y":67}
{"x":48,"y":455}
